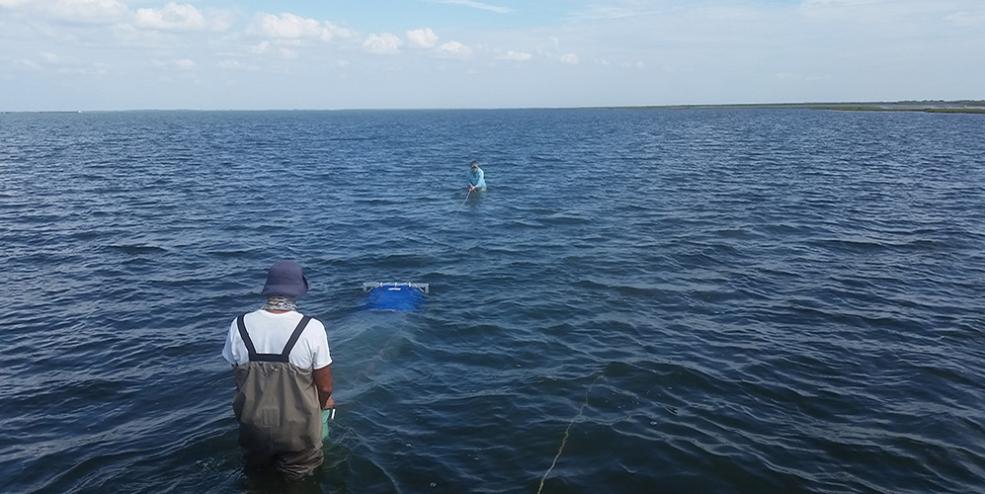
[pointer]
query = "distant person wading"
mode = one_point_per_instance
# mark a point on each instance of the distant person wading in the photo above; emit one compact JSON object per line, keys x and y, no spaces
{"x":477,"y":179}
{"x":283,"y":375}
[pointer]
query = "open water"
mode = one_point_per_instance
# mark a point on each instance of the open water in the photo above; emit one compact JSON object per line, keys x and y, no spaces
{"x":644,"y":300}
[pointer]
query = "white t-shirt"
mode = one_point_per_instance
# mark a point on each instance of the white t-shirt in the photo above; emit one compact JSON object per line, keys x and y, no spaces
{"x":270,"y":332}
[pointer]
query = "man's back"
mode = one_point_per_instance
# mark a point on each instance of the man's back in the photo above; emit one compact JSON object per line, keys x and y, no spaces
{"x":270,"y":331}
{"x":283,"y":373}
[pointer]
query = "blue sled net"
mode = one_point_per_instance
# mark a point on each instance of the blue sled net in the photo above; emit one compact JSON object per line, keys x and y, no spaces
{"x":400,"y":297}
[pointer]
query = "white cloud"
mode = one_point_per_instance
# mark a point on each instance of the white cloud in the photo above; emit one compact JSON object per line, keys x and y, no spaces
{"x":454,"y":49}
{"x":424,"y":37}
{"x":231,"y":65}
{"x":612,"y":12}
{"x":27,"y":63}
{"x":476,"y":5}
{"x":966,"y":18}
{"x":288,"y":26}
{"x":383,"y":44}
{"x":332,"y":31}
{"x":261,"y":47}
{"x":516,"y":56}
{"x":180,"y":64}
{"x":171,"y":17}
{"x":280,"y":48}
{"x":50,"y":63}
{"x":570,"y":59}
{"x":96,"y":68}
{"x":221,"y":20}
{"x":789,"y":76}
{"x":70,"y":11}
{"x":841,"y":3}
{"x":292,"y":26}
{"x":876,"y":11}
{"x":184,"y":64}
{"x":89,"y":11}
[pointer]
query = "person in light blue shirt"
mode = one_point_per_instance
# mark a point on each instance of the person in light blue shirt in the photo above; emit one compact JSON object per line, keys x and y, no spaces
{"x":477,"y":181}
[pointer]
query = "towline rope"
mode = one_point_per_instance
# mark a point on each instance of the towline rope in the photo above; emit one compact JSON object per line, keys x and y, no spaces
{"x":567,"y":432}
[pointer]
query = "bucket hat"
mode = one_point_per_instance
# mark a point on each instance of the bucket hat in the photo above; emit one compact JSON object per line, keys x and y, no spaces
{"x":285,"y":278}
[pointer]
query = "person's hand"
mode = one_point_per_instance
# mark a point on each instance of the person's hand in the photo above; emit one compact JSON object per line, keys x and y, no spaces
{"x":329,"y":403}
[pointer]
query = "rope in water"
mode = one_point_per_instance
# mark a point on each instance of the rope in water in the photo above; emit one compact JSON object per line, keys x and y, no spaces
{"x":567,"y":432}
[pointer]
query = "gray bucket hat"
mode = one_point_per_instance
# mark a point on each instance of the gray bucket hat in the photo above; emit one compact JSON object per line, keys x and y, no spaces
{"x":285,"y":278}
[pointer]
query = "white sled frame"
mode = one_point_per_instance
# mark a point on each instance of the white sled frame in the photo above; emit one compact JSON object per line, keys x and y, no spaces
{"x":424,"y":287}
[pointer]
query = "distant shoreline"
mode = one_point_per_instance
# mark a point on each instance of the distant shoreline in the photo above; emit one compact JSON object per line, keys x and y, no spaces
{"x":896,"y":106}
{"x":957,"y":106}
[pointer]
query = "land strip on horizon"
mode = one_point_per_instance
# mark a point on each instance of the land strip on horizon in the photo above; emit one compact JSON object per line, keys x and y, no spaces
{"x":959,"y":106}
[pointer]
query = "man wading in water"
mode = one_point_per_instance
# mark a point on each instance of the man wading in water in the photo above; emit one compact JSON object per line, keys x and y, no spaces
{"x":283,"y":377}
{"x":477,"y":179}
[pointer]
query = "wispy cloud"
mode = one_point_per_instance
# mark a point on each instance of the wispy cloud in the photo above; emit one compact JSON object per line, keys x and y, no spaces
{"x":277,"y":49}
{"x":880,"y":11}
{"x":383,"y":44}
{"x":967,"y":18}
{"x":171,"y":17}
{"x":789,"y":76}
{"x":623,"y":10}
{"x":515,"y":56}
{"x":180,"y":64}
{"x":235,"y":65}
{"x":476,"y":5}
{"x":454,"y":49}
{"x":83,"y":11}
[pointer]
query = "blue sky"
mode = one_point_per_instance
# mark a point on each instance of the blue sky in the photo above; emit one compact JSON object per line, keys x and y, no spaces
{"x":226,"y":54}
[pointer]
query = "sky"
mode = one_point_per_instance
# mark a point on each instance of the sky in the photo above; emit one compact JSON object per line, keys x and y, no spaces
{"x":334,"y":54}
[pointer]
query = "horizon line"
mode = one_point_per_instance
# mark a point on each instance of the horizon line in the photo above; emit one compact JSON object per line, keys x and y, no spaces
{"x":928,"y":103}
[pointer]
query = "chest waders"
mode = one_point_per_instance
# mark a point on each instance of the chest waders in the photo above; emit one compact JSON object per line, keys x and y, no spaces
{"x":276,"y":404}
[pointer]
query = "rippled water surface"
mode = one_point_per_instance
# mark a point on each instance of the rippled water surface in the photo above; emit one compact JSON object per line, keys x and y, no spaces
{"x":643,"y":301}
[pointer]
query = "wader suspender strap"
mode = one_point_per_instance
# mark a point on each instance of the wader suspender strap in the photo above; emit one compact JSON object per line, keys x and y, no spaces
{"x":271,"y":357}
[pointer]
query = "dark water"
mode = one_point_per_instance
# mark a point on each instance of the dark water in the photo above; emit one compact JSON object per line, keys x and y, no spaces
{"x":706,"y":301}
